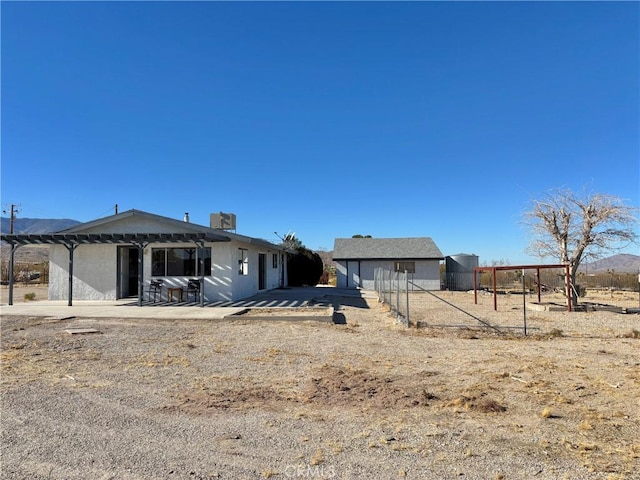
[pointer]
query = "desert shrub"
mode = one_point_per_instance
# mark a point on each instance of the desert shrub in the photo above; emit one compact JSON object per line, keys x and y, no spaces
{"x":304,"y":268}
{"x":29,"y":296}
{"x":556,"y":332}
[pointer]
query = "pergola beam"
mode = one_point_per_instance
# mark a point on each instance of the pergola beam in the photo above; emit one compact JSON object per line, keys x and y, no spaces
{"x":117,"y":238}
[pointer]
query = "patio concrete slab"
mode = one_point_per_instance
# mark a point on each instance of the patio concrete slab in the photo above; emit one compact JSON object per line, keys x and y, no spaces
{"x":295,"y":297}
{"x":115,"y":309}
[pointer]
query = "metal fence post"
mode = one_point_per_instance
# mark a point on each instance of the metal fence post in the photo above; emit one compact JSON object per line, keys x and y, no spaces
{"x":398,"y":292}
{"x":387,"y":290}
{"x":524,"y":304}
{"x":406,"y":279}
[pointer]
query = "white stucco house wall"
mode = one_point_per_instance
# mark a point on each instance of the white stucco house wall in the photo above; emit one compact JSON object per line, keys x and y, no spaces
{"x":235,"y":266}
{"x":357,"y":258}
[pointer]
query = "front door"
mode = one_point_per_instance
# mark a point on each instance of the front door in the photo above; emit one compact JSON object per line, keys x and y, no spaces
{"x":353,"y":273}
{"x":262,"y":271}
{"x":127,"y":272}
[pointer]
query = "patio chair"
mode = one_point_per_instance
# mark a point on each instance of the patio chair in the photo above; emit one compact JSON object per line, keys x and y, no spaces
{"x":193,"y":288}
{"x":155,"y":288}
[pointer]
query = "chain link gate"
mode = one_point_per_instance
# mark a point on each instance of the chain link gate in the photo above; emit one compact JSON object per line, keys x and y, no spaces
{"x":393,"y":289}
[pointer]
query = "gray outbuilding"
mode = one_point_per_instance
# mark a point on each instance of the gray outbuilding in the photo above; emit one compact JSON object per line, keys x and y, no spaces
{"x":357,"y":258}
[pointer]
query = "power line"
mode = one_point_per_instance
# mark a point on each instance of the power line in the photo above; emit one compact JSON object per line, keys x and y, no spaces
{"x":110,"y":209}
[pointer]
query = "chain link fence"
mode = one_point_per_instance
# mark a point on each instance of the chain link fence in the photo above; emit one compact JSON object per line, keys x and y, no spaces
{"x":518,"y":309}
{"x":393,"y":290}
{"x":605,"y":314}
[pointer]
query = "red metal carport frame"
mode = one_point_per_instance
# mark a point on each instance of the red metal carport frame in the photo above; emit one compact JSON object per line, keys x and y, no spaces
{"x":537,"y":268}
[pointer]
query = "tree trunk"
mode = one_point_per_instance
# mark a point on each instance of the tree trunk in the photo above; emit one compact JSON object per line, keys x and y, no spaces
{"x":575,"y":289}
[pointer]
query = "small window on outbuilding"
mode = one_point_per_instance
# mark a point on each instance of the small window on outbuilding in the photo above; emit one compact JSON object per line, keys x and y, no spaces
{"x":409,"y":267}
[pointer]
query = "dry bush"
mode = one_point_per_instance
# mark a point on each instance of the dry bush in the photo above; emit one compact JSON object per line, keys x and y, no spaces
{"x":632,"y":334}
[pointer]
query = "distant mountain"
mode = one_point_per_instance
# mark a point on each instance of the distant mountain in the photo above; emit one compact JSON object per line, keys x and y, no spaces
{"x":36,"y":225}
{"x":622,"y":263}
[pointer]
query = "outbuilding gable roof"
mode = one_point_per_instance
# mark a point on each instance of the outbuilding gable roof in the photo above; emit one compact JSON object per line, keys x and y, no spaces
{"x":386,"y":248}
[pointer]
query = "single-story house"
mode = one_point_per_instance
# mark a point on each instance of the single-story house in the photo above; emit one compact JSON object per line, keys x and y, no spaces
{"x":357,"y":258}
{"x":120,"y":255}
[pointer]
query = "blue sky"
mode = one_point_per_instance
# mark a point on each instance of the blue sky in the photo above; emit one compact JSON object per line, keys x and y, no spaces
{"x":327,"y":119}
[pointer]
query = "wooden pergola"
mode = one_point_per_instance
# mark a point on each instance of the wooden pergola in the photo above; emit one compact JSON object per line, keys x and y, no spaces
{"x":140,"y":240}
{"x":537,"y":268}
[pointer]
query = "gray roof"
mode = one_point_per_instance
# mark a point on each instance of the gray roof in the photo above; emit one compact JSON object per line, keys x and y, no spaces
{"x":170,"y":225}
{"x":386,"y":248}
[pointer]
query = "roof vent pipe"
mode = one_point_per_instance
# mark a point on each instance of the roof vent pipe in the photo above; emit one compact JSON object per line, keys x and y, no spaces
{"x":186,"y":217}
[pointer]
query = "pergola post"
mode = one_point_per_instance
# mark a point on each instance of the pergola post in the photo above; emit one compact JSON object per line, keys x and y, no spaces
{"x":14,"y":247}
{"x":140,"y":248}
{"x":201,"y":251}
{"x":495,"y":289}
{"x":475,"y":287}
{"x":70,"y":247}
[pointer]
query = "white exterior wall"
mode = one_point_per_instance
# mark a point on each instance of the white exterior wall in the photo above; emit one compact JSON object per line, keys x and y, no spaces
{"x":94,"y":272}
{"x":243,"y":286}
{"x":223,"y":283}
{"x":427,"y":273}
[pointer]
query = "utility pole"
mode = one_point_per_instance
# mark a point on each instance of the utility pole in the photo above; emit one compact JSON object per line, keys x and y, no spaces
{"x":13,"y":210}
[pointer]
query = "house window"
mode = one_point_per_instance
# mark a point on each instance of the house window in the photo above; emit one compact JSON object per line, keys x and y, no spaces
{"x":179,"y":262}
{"x":274,"y":260}
{"x":243,"y":261}
{"x":409,"y":267}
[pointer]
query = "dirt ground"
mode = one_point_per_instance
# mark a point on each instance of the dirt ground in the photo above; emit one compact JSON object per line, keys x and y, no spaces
{"x":278,"y":399}
{"x":39,"y":291}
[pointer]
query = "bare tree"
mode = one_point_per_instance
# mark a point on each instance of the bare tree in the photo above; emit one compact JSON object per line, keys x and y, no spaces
{"x":571,"y":228}
{"x":291,"y":242}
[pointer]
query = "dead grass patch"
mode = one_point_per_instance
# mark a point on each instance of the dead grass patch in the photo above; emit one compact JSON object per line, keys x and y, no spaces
{"x":329,"y":386}
{"x":481,"y":405}
{"x":155,"y":359}
{"x":199,"y":402}
{"x":349,"y":386}
{"x":632,"y":334}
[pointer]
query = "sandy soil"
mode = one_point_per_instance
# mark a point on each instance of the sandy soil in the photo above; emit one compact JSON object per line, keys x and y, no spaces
{"x":275,"y":399}
{"x":40,"y":292}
